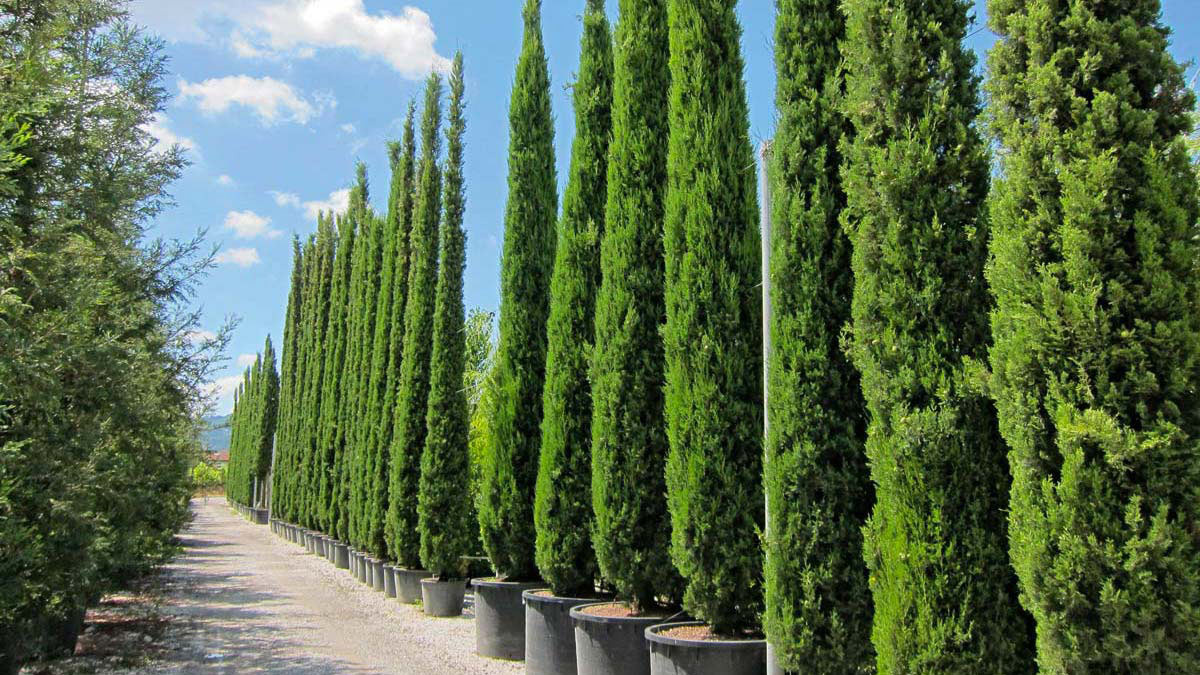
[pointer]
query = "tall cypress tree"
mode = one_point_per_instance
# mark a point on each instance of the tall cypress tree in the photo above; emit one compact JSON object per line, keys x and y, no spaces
{"x":404,"y":196}
{"x":408,"y":439}
{"x":444,"y":513}
{"x":510,"y":464}
{"x":563,"y":504}
{"x":394,"y":261}
{"x":1097,"y":334}
{"x":332,"y":432}
{"x":712,"y":338}
{"x":315,"y":460}
{"x":287,"y":369}
{"x":268,"y":416}
{"x":916,"y":176}
{"x":631,"y":534}
{"x":819,"y":493}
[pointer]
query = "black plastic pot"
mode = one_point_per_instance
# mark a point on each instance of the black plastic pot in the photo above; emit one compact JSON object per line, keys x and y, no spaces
{"x":341,"y":555}
{"x":500,"y":618}
{"x":389,"y":581}
{"x":408,"y":584}
{"x":611,"y":645}
{"x":550,"y":633}
{"x":442,"y":598}
{"x":676,"y":656}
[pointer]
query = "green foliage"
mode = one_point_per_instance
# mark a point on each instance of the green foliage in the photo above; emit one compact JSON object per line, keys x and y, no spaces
{"x":313,"y":458}
{"x":444,"y":510}
{"x":916,"y":176}
{"x":562,"y":507}
{"x":818,"y":604}
{"x":284,"y":457}
{"x":408,"y":441}
{"x":253,"y":431}
{"x":712,"y":337}
{"x":100,"y":385}
{"x":1097,"y":336}
{"x":510,"y":464}
{"x":631,"y":533}
{"x":205,"y":476}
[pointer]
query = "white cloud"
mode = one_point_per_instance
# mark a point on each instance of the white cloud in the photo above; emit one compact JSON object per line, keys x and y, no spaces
{"x":222,"y":390}
{"x":165,"y":138}
{"x":349,"y":129}
{"x":196,"y":336}
{"x":285,"y":198}
{"x":224,"y":181}
{"x":338,"y":202}
{"x":271,"y":100}
{"x":242,"y":257}
{"x":246,"y":360}
{"x":298,"y":28}
{"x":248,"y":225}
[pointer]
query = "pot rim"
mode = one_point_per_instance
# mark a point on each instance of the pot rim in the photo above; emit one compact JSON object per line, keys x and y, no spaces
{"x":578,"y":615}
{"x":652,"y":635}
{"x":448,"y":582}
{"x":410,"y":571}
{"x":532,"y":594}
{"x":488,"y":582}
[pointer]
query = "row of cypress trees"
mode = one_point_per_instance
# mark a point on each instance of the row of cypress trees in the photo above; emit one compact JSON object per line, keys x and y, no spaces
{"x":252,"y":436}
{"x":957,"y":392}
{"x":373,"y":416}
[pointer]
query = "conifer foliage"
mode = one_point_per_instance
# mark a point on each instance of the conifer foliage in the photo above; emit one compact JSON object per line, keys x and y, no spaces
{"x":1097,"y":334}
{"x":712,"y":337}
{"x":916,"y":176}
{"x":509,"y":470}
{"x":562,"y":502}
{"x":252,"y":434}
{"x":408,"y":440}
{"x":818,"y":605}
{"x":631,"y":534}
{"x":444,"y":511}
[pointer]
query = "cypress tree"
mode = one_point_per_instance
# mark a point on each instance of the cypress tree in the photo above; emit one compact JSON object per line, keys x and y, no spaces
{"x":314,"y":465}
{"x":267,"y":411}
{"x":355,"y":460}
{"x":509,"y":469}
{"x":631,"y":534}
{"x":1097,"y":333}
{"x":714,"y":317}
{"x":916,"y":176}
{"x":332,"y":432}
{"x":444,"y":512}
{"x":394,"y":260}
{"x":563,"y":504}
{"x":291,"y":327}
{"x":378,"y":461}
{"x":819,"y":494}
{"x":408,"y":440}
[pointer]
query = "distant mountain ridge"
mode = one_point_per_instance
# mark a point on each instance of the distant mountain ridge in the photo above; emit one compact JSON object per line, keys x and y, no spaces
{"x":215,"y":437}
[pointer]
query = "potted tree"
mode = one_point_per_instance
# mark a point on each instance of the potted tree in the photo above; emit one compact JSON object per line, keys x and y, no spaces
{"x":713,"y":352}
{"x":509,"y":465}
{"x":562,"y":497}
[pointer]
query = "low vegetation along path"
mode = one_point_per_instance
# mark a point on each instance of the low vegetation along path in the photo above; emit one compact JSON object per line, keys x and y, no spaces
{"x":242,"y":600}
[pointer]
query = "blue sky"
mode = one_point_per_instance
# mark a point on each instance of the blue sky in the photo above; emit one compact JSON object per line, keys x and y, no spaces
{"x":276,"y":99}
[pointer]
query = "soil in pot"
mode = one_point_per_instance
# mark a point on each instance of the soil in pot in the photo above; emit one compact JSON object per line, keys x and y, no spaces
{"x":408,"y":584}
{"x":550,"y":632}
{"x":500,"y":617}
{"x":691,"y":648}
{"x":610,"y":638}
{"x":442,"y":598}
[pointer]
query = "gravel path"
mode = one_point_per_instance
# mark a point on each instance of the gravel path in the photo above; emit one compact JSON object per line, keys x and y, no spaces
{"x":241,"y":600}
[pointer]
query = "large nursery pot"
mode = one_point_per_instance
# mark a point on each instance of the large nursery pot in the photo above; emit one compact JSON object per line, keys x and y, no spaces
{"x":341,"y":555}
{"x":673,"y":651}
{"x":355,"y":563}
{"x":500,"y":618}
{"x":550,"y":632}
{"x":610,"y":640}
{"x":442,"y":598}
{"x":773,"y":667}
{"x":377,"y":581}
{"x":389,"y":581}
{"x":408,"y":584}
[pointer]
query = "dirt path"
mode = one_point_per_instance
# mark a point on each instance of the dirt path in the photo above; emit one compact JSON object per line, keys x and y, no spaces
{"x":240,"y":600}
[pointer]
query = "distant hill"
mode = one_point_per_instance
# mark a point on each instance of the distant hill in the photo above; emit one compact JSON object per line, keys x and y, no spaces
{"x":216,"y":436}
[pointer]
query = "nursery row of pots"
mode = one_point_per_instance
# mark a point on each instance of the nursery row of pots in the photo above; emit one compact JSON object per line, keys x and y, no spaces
{"x":523,"y":621}
{"x":256,"y":516}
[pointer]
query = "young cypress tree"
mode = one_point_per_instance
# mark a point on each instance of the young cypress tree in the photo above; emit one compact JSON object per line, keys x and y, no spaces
{"x":378,"y":427}
{"x":712,"y":339}
{"x":562,"y":510}
{"x":404,"y":195}
{"x":631,"y":534}
{"x":408,"y":439}
{"x":288,"y":471}
{"x":444,"y":512}
{"x":819,"y":493}
{"x":916,"y":176}
{"x":510,"y":465}
{"x":1097,"y":334}
{"x":331,"y":432}
{"x":355,"y":461}
{"x":314,"y":464}
{"x":286,"y":379}
{"x":267,"y":408}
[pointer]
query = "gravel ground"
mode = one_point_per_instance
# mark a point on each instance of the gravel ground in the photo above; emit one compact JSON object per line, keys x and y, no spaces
{"x":240,"y":600}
